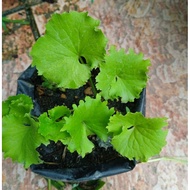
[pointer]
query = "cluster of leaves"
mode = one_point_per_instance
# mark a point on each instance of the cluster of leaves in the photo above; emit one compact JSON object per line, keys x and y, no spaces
{"x":72,"y":46}
{"x":20,"y":135}
{"x":133,"y":135}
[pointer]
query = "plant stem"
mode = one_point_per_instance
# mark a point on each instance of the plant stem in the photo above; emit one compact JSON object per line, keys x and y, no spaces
{"x":93,"y":87}
{"x":49,"y":184}
{"x":182,"y":160}
{"x":4,"y":19}
{"x":91,"y":82}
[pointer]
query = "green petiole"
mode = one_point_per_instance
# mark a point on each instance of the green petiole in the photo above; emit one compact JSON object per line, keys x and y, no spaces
{"x":6,"y":20}
{"x":182,"y":160}
{"x":49,"y":184}
{"x":90,"y":80}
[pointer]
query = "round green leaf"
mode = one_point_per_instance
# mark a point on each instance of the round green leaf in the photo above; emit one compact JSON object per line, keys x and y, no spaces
{"x":89,"y":118}
{"x":51,"y":123}
{"x":122,"y":75}
{"x":135,"y":136}
{"x":20,"y":136}
{"x":71,"y":47}
{"x":20,"y":139}
{"x":18,"y":105}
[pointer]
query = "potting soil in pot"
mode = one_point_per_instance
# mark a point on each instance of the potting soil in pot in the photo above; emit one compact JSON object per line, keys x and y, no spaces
{"x":59,"y":163}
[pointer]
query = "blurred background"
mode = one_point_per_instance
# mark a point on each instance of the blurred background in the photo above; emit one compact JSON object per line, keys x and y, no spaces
{"x":158,"y":29}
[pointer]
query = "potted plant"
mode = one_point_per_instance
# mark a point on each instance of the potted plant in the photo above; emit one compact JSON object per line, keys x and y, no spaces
{"x":79,"y":110}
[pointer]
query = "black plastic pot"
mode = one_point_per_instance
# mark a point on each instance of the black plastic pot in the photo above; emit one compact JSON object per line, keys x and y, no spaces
{"x":82,"y":173}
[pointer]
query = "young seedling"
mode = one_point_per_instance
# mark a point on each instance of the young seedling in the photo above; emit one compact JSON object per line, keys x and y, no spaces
{"x":66,"y":56}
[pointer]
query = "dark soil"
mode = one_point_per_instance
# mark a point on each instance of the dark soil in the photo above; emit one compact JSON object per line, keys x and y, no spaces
{"x":55,"y":155}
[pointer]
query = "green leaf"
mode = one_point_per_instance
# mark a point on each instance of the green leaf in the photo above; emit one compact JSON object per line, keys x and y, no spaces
{"x":51,"y":123}
{"x":59,"y":185}
{"x":5,"y":108}
{"x":18,"y":105}
{"x":90,"y":117}
{"x":136,"y":136}
{"x":100,"y":184}
{"x":71,"y":47}
{"x":122,"y":75}
{"x":20,"y":139}
{"x":20,"y":136}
